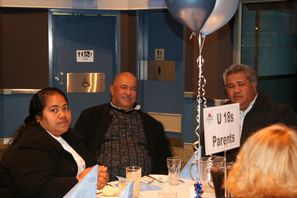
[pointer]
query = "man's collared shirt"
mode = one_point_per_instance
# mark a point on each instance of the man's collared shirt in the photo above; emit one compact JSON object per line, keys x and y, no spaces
{"x":243,"y":113}
{"x":136,"y":107}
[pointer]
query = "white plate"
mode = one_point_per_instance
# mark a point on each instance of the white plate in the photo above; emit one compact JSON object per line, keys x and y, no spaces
{"x":160,"y":180}
{"x":109,"y":191}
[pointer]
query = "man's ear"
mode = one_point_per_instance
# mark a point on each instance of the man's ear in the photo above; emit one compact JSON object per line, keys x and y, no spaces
{"x":111,"y":89}
{"x":37,"y":118}
{"x":254,"y":84}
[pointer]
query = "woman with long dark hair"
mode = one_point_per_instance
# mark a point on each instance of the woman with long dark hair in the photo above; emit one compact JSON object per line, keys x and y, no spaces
{"x":45,"y":159}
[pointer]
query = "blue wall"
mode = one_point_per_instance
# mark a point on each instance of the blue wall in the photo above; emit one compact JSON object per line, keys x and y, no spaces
{"x":14,"y":109}
{"x":159,"y":30}
{"x":164,"y":32}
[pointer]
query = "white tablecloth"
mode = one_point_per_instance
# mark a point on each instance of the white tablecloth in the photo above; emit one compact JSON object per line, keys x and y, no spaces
{"x":184,"y":189}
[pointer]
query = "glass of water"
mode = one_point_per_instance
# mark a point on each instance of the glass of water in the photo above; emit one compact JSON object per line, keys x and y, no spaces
{"x":173,"y":165}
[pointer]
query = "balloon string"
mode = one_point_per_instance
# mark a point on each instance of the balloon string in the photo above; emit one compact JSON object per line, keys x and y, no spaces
{"x":201,"y":40}
{"x":202,"y":83}
{"x":201,"y":100}
{"x":200,"y":92}
{"x":192,"y":34}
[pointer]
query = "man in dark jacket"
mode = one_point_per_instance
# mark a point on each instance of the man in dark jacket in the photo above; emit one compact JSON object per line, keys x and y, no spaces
{"x":256,"y":111}
{"x":119,"y":134}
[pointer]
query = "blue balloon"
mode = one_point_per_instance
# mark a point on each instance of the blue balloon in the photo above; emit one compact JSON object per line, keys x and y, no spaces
{"x":192,"y":13}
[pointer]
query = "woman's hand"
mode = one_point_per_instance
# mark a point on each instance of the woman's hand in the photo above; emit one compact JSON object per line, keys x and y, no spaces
{"x":83,"y":173}
{"x":103,"y":177}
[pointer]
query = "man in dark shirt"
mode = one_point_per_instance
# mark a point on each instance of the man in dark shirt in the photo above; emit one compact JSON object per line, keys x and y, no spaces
{"x":256,"y":111}
{"x":119,"y":134}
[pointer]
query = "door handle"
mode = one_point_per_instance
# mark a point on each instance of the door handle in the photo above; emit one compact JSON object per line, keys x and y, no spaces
{"x":60,"y":78}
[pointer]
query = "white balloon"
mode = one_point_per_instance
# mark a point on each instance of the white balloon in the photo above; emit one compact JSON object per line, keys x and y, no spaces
{"x":220,"y":15}
{"x":193,"y":17}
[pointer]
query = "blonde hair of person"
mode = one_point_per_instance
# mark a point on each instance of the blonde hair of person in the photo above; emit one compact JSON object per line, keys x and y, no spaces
{"x":266,"y":165}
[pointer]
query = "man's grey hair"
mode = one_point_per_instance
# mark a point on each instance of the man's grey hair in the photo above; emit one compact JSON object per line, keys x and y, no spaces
{"x":236,"y":68}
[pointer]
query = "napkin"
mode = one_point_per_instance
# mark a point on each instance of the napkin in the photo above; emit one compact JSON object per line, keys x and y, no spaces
{"x":145,"y":187}
{"x":128,"y":191}
{"x":87,"y":187}
{"x":185,"y":172}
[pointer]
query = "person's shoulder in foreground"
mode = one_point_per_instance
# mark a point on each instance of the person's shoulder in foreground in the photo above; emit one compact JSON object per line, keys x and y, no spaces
{"x":266,"y":165}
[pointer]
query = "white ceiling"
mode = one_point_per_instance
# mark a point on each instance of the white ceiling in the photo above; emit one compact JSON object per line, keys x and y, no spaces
{"x":87,"y":4}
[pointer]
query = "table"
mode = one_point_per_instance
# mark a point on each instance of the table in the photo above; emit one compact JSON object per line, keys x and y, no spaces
{"x":185,"y":189}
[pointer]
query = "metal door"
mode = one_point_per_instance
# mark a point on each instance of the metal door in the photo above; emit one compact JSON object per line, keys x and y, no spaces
{"x":83,"y":50}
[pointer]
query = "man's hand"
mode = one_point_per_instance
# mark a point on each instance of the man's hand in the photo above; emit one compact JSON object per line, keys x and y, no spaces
{"x":103,"y":177}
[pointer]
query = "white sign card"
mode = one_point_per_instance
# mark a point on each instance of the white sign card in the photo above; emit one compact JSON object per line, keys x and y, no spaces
{"x":221,"y":128}
{"x":84,"y":56}
{"x":159,"y":54}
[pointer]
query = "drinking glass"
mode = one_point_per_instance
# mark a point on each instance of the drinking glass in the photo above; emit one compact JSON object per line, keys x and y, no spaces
{"x":173,"y":165}
{"x":133,"y":173}
{"x":217,"y":171}
{"x":122,"y":183}
{"x":205,"y":175}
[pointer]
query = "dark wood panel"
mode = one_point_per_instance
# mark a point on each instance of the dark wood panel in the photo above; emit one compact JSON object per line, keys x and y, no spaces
{"x":128,"y":41}
{"x":217,"y":54}
{"x":24,"y":60}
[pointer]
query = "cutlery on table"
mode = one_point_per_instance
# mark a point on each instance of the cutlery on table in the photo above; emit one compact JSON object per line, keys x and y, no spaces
{"x":155,"y":179}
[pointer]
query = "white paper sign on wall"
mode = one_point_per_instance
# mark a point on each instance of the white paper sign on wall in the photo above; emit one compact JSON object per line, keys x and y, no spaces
{"x":84,"y":56}
{"x":221,"y":128}
{"x":159,"y":54}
